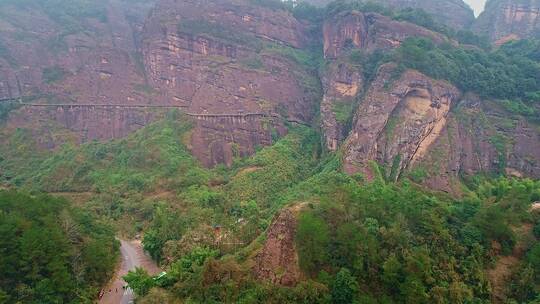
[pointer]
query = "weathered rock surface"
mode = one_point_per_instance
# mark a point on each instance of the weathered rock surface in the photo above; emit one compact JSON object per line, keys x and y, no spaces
{"x":397,"y":121}
{"x":90,"y":58}
{"x":481,"y":137}
{"x":224,"y":57}
{"x":277,"y":262}
{"x":87,"y":123}
{"x":342,"y":80}
{"x":505,"y":20}
{"x":454,"y":13}
{"x":238,"y":69}
{"x":369,"y":31}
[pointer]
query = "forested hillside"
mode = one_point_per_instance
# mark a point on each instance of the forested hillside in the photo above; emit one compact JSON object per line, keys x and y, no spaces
{"x":52,"y":252}
{"x":268,"y":151}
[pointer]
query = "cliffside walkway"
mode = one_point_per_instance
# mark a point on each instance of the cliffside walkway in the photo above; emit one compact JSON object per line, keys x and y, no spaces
{"x":146,"y":106}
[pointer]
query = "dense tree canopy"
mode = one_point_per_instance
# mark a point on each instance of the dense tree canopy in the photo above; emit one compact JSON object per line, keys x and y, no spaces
{"x":50,"y":252}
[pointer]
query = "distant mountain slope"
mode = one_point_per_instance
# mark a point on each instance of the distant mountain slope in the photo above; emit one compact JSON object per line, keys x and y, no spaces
{"x":504,"y":20}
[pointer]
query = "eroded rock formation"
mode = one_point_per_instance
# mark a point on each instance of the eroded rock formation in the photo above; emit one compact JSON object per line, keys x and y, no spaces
{"x":481,"y":137}
{"x":277,"y":262}
{"x":225,"y":57}
{"x":86,"y":122}
{"x":342,"y":79}
{"x":241,"y":70}
{"x":89,"y":59}
{"x":397,"y":121}
{"x":342,"y":83}
{"x":505,"y":20}
{"x":369,"y":31}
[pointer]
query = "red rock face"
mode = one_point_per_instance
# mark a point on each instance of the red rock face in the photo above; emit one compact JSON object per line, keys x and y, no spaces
{"x":218,"y":140}
{"x":343,"y":80}
{"x":205,"y":57}
{"x":505,"y":20}
{"x":223,"y":57}
{"x":87,"y":123}
{"x":369,"y":31}
{"x":277,"y":262}
{"x":93,"y":61}
{"x":397,"y":122}
{"x":480,"y":137}
{"x":342,"y":83}
{"x":236,"y":68}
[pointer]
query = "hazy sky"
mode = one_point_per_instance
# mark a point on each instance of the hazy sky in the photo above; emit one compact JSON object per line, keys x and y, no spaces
{"x":477,"y":5}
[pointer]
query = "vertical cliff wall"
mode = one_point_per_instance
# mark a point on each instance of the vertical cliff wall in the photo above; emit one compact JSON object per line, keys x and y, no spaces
{"x":505,"y":20}
{"x":230,"y":57}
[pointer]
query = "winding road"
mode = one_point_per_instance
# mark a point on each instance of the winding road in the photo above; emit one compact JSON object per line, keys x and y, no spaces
{"x":133,"y":256}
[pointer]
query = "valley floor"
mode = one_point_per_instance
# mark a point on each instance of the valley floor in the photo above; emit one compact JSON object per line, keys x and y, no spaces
{"x":132,"y":256}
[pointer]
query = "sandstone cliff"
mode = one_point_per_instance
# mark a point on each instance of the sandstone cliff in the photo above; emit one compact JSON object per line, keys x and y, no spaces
{"x":244,"y":71}
{"x":481,"y":137}
{"x":82,"y":55}
{"x":277,"y":262}
{"x":342,"y":79}
{"x":397,"y":121}
{"x":370,"y":31}
{"x":106,"y":69}
{"x":229,"y":58}
{"x":505,"y":20}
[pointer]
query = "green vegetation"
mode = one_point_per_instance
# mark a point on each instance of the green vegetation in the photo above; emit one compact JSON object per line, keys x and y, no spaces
{"x":53,"y":74}
{"x":254,"y":63}
{"x":378,"y":243}
{"x":51,"y":252}
{"x":508,"y":73}
{"x":413,"y":15}
{"x":356,"y":242}
{"x":385,"y":241}
{"x":122,"y":174}
{"x":5,"y":108}
{"x":343,"y":111}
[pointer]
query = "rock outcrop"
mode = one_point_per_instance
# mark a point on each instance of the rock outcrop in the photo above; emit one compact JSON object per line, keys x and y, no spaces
{"x":228,"y":57}
{"x":222,"y":59}
{"x":277,"y":262}
{"x":343,"y":79}
{"x":342,"y":82}
{"x":481,"y":137}
{"x":505,"y":20}
{"x":454,"y":13}
{"x":397,"y":122}
{"x":369,"y":31}
{"x":84,"y":56}
{"x":242,"y":71}
{"x":85,"y":122}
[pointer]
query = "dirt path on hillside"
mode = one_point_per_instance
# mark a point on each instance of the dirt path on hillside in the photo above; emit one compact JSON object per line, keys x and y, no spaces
{"x":133,"y":256}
